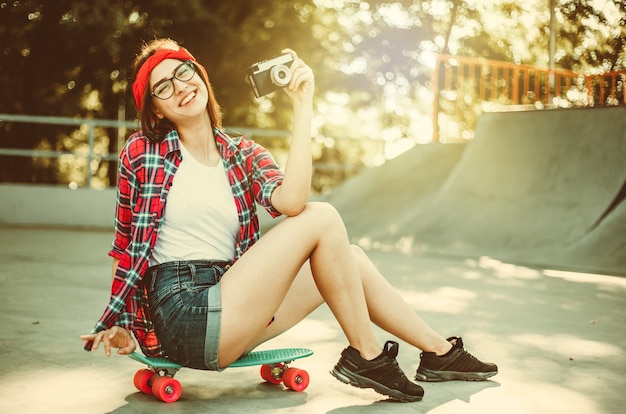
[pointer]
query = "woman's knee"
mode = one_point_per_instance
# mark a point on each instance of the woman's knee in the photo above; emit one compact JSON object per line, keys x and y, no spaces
{"x":322,"y":213}
{"x":357,"y":251}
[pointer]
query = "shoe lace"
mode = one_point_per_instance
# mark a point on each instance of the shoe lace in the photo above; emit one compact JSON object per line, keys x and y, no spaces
{"x":399,"y":377}
{"x":470,"y":356}
{"x":391,"y":349}
{"x":397,"y":370}
{"x":471,"y":360}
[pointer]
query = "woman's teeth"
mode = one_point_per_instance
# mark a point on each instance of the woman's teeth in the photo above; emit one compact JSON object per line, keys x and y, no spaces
{"x":188,"y":98}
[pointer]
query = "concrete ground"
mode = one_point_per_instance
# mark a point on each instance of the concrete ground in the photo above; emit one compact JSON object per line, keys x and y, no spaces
{"x":556,"y":336}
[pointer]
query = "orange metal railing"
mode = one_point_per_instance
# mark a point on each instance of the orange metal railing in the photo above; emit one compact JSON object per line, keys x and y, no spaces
{"x":463,"y":87}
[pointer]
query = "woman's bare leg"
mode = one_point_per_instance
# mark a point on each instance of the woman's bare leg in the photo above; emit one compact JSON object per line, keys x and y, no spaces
{"x":254,"y":288}
{"x":391,"y":312}
{"x":387,"y":308}
{"x":302,"y":298}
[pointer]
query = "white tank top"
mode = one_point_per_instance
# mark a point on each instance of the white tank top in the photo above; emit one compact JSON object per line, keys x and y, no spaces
{"x":200,"y":219}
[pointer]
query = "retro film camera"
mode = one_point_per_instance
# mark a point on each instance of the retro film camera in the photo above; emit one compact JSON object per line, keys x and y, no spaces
{"x":270,"y":75}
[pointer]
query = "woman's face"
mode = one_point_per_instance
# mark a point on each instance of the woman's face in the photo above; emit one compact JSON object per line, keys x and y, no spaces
{"x":178,"y":92}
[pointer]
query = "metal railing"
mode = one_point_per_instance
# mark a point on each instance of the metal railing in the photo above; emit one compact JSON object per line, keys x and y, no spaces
{"x":92,"y":125}
{"x":469,"y":85}
{"x":91,"y":154}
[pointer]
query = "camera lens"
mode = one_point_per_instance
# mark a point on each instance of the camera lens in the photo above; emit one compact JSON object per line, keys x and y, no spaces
{"x":280,"y":75}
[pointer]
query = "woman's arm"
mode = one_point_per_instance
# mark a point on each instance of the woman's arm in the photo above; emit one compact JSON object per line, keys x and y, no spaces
{"x":117,"y":336}
{"x":291,"y":196}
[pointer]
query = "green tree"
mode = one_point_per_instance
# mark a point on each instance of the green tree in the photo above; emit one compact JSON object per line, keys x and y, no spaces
{"x":601,"y":44}
{"x":72,"y":58}
{"x":373,"y":62}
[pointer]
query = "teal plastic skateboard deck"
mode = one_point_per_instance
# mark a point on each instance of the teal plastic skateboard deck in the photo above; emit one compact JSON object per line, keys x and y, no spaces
{"x":159,"y":381}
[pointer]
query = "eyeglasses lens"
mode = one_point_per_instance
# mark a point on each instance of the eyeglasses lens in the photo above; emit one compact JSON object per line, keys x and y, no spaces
{"x":165,"y":89}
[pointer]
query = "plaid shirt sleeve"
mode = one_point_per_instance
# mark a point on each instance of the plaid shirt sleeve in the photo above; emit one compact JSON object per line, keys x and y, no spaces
{"x":126,"y":192}
{"x":132,"y":246}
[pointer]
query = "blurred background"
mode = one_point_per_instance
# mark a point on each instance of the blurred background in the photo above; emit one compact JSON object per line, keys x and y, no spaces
{"x":389,"y":75}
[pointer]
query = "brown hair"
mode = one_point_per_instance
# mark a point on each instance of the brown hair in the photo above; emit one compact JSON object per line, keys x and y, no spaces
{"x":154,"y":127}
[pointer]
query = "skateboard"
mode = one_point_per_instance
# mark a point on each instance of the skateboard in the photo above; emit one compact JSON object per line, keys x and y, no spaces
{"x":159,"y":381}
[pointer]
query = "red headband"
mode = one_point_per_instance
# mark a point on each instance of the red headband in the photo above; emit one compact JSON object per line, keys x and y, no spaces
{"x":141,"y":81}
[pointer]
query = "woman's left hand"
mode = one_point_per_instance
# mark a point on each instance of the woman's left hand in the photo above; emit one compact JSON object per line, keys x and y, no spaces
{"x":115,"y":337}
{"x":302,"y":84}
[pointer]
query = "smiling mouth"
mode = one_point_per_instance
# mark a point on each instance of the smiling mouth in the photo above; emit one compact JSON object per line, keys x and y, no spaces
{"x":188,"y":98}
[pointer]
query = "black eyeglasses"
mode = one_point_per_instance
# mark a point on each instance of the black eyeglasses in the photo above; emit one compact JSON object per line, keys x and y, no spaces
{"x":164,"y":89}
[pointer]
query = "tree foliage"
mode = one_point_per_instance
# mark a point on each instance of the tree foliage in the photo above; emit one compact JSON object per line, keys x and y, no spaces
{"x":601,"y":45}
{"x":372,"y":59}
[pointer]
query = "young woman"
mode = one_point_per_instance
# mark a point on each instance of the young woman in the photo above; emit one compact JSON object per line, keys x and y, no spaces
{"x":193,"y":280}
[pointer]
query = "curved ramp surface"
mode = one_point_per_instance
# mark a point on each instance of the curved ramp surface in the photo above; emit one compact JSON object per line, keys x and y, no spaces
{"x":372,"y":202}
{"x":538,"y":187}
{"x":603,"y":249}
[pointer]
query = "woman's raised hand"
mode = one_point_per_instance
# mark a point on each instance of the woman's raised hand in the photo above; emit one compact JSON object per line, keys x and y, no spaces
{"x":302,"y":84}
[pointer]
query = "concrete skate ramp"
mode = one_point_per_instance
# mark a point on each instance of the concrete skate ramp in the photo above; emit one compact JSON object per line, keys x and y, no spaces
{"x":538,"y":188}
{"x":372,"y":202}
{"x":604,"y":248}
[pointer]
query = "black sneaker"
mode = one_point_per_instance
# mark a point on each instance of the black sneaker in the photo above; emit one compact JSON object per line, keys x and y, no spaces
{"x":381,"y":374}
{"x":457,"y":364}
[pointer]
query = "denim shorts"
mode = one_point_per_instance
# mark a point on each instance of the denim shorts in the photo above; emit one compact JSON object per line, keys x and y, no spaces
{"x":185,"y":306}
